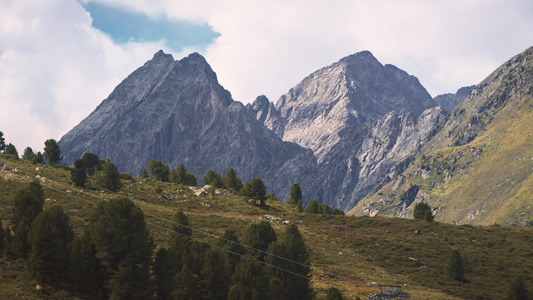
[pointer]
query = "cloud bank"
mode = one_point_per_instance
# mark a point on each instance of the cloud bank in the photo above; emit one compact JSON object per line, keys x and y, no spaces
{"x":56,"y":66}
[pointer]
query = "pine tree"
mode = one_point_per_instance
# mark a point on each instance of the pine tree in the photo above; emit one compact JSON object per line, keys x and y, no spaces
{"x":28,"y":154}
{"x":181,"y":225}
{"x":111,"y":178}
{"x":292,"y":247}
{"x":2,"y":142}
{"x":159,"y":170}
{"x":420,"y":210}
{"x":295,"y":195}
{"x":215,"y":275}
{"x":20,"y":246}
{"x":91,"y":162}
{"x":186,"y":285}
{"x":39,"y":158}
{"x":52,"y":153}
{"x":255,"y":190}
{"x":78,"y":174}
{"x":50,"y":237}
{"x":163,"y":274}
{"x":213,"y":179}
{"x":12,"y":150}
{"x":260,"y":236}
{"x":28,"y":203}
{"x":312,"y":208}
{"x":124,"y":246}
{"x":456,"y":268}
{"x":85,"y":269}
{"x":250,"y":279}
{"x":234,"y":250}
{"x":144,"y":173}
{"x":231,"y":181}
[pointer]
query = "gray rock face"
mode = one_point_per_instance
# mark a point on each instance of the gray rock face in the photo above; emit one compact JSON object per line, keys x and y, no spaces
{"x":177,"y":111}
{"x":450,"y":101}
{"x":360,"y":120}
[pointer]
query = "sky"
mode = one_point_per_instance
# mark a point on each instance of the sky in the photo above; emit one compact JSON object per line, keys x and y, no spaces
{"x":60,"y":58}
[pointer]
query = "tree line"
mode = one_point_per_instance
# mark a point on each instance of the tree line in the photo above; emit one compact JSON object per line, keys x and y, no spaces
{"x":115,"y":256}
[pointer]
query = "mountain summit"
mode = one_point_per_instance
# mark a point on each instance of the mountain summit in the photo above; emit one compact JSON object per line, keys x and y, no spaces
{"x":176,"y":111}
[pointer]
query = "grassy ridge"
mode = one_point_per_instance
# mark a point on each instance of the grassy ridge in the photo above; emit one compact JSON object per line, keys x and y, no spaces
{"x":364,"y":251}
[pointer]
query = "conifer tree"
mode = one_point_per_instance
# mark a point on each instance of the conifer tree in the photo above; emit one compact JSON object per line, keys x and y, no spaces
{"x":295,"y":195}
{"x":420,"y":210}
{"x":12,"y":150}
{"x":111,"y":178}
{"x":212,"y":178}
{"x":50,"y":237}
{"x":456,"y":268}
{"x":124,"y":246}
{"x":144,"y":173}
{"x":186,"y":285}
{"x":78,"y":174}
{"x":180,"y":225}
{"x":250,"y":280}
{"x":230,"y":242}
{"x":518,"y":290}
{"x":91,"y":162}
{"x":159,"y":170}
{"x":231,"y":181}
{"x":215,"y":275}
{"x":2,"y":142}
{"x":255,"y":189}
{"x":164,"y":274}
{"x":28,"y":154}
{"x":39,"y":158}
{"x":259,"y":236}
{"x":28,"y":203}
{"x":312,"y":208}
{"x":85,"y":269}
{"x":52,"y":153}
{"x":291,"y":247}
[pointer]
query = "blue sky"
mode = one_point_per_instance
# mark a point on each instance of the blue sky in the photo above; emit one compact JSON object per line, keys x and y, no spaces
{"x":60,"y":58}
{"x":126,"y":25}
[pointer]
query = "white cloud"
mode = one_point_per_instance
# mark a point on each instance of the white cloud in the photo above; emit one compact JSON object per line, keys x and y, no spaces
{"x":55,"y":68}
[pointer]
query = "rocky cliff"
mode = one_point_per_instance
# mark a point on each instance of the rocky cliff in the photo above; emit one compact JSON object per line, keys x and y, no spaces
{"x":338,"y":111}
{"x":177,"y":111}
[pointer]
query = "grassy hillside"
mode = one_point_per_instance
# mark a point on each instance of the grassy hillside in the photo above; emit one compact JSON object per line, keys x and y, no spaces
{"x":353,"y":254}
{"x":478,"y":168}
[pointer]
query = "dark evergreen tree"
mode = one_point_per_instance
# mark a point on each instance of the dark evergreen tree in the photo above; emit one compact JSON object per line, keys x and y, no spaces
{"x":238,"y":292}
{"x":180,"y":225}
{"x":334,"y":294}
{"x":111,"y":177}
{"x":39,"y":158}
{"x":159,"y":170}
{"x":2,"y":142}
{"x":28,"y":203}
{"x":181,"y":176}
{"x":213,"y":178}
{"x":231,"y":181}
{"x":234,"y":250}
{"x":420,"y":210}
{"x":78,"y":174}
{"x":338,"y":212}
{"x":456,"y":268}
{"x":186,"y":285}
{"x":124,"y":246}
{"x":295,"y":195}
{"x":164,"y":274}
{"x":9,"y":251}
{"x":20,"y":246}
{"x":428,"y":216}
{"x":518,"y":290}
{"x":28,"y":154}
{"x":255,"y":190}
{"x":250,"y":280}
{"x":144,"y":173}
{"x":85,"y":269}
{"x":52,"y":153}
{"x":50,"y":237}
{"x":91,"y":162}
{"x":259,"y":236}
{"x":297,"y":283}
{"x":215,"y":275}
{"x":312,"y":208}
{"x":12,"y":150}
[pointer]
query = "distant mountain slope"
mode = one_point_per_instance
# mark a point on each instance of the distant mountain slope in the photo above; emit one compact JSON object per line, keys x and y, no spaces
{"x":177,"y":111}
{"x":478,"y":168}
{"x":450,"y":101}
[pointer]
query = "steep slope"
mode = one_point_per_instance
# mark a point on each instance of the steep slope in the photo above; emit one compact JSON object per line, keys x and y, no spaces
{"x":450,"y":101}
{"x":177,"y":111}
{"x":337,"y":111}
{"x":478,"y":168}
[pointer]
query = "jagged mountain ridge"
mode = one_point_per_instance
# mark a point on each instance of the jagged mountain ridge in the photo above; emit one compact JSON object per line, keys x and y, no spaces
{"x":334,"y":111}
{"x":450,"y":101}
{"x":477,"y":167}
{"x":177,"y":111}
